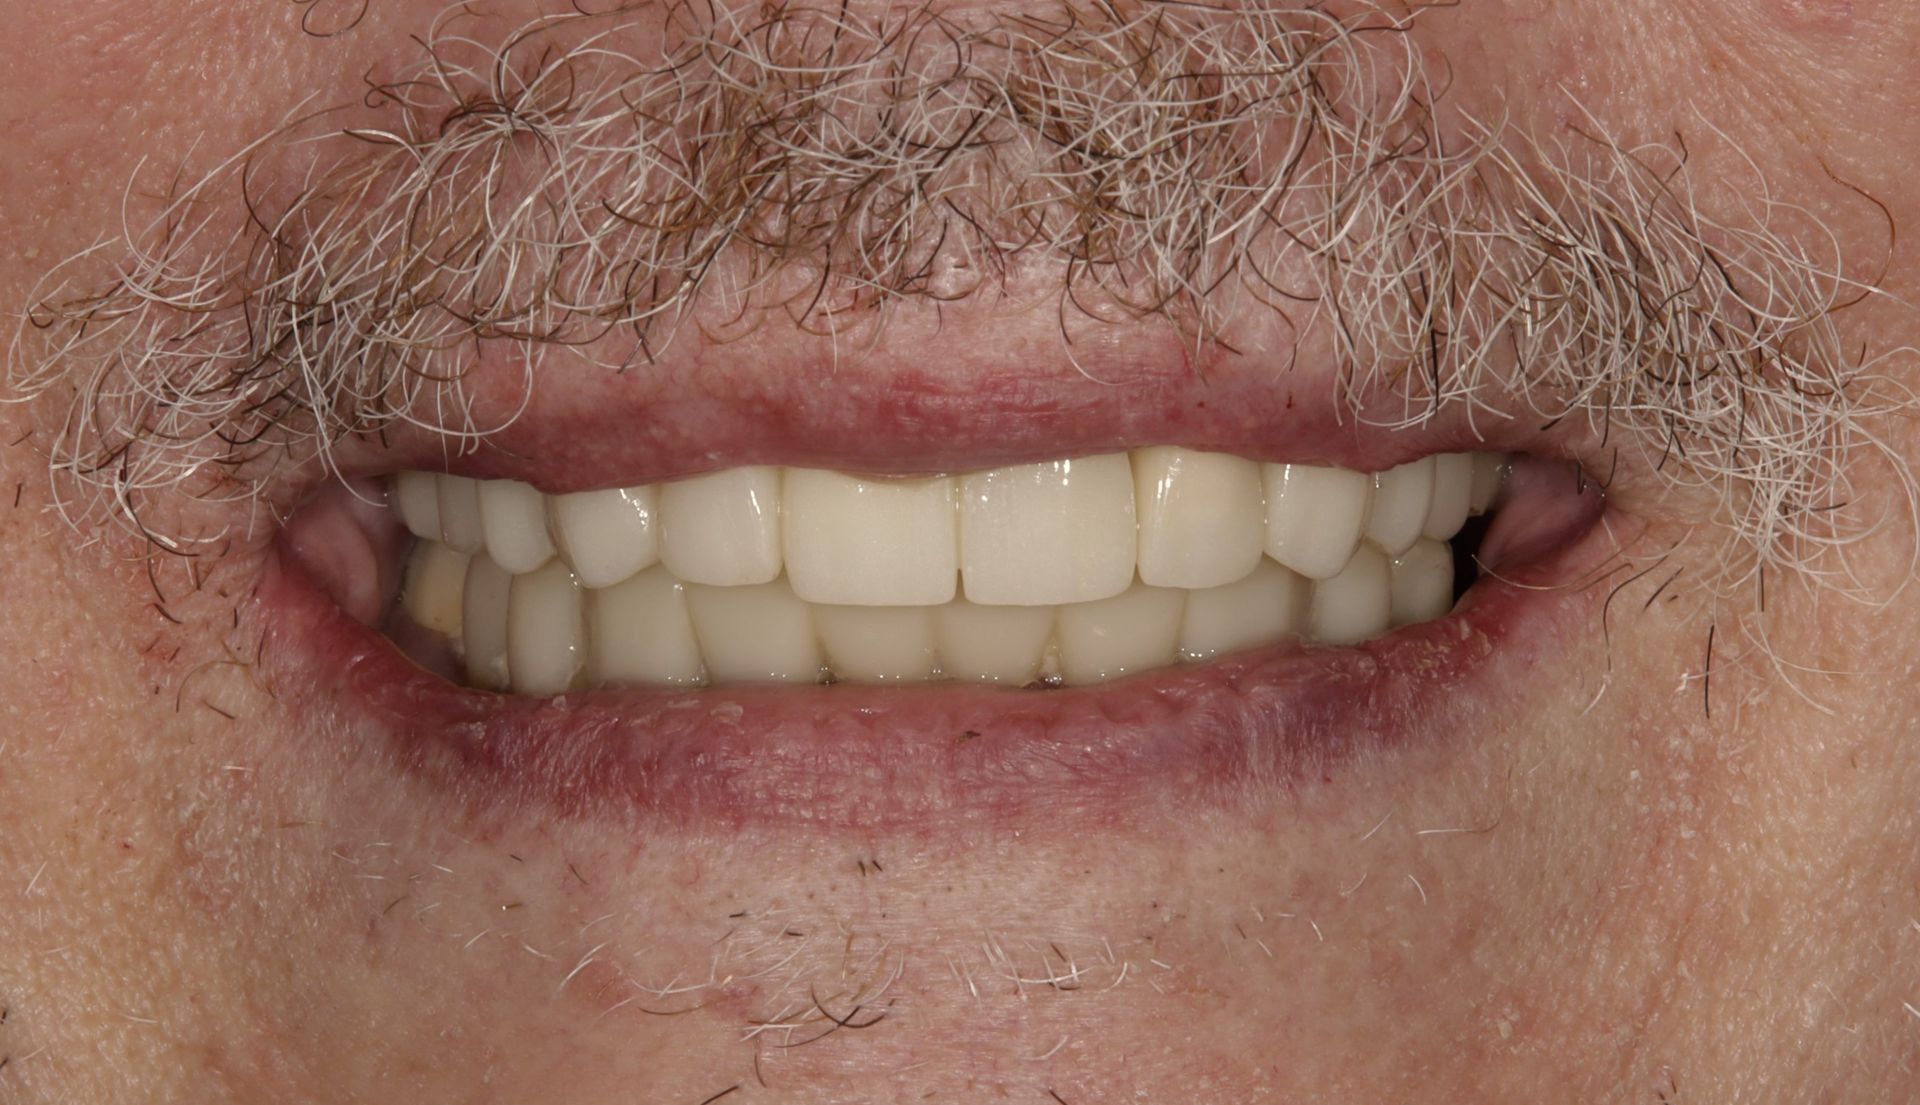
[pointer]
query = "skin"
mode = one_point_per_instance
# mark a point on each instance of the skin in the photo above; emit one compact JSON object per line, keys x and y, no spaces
{"x":1598,"y":891}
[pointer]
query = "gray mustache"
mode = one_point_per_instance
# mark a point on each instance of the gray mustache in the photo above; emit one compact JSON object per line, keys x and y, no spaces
{"x":560,"y":189}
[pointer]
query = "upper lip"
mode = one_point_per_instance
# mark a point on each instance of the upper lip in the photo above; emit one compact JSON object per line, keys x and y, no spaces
{"x":975,"y":394}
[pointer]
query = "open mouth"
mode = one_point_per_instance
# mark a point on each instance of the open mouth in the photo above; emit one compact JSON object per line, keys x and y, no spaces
{"x":802,"y":643}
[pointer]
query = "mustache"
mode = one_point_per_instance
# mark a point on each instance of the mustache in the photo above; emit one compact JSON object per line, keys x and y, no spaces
{"x":558,"y":190}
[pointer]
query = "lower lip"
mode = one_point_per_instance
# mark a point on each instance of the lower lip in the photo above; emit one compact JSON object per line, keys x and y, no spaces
{"x":1229,"y":735}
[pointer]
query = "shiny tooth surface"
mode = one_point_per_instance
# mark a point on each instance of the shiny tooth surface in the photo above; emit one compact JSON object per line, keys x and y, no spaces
{"x":758,"y":574}
{"x":640,"y":631}
{"x":870,"y":542}
{"x":483,"y":623}
{"x":757,"y":632}
{"x":1489,"y":474}
{"x":1268,"y":605}
{"x":1402,"y":498}
{"x":546,"y":631}
{"x":877,"y":644}
{"x":1452,"y":495}
{"x":1422,"y":583}
{"x":1130,"y":632}
{"x":1314,"y":516}
{"x":514,"y":517}
{"x":1356,"y":603}
{"x":435,"y":587}
{"x":1046,"y":534}
{"x":607,"y":535}
{"x":460,"y":522}
{"x":1199,"y":515}
{"x":416,"y":495}
{"x":992,"y":644}
{"x":722,"y":529}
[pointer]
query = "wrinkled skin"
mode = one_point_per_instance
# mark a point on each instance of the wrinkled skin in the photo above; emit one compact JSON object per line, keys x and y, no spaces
{"x":1636,"y":901}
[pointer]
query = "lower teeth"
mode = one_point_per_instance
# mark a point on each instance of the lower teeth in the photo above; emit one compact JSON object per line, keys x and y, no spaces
{"x":541,"y":631}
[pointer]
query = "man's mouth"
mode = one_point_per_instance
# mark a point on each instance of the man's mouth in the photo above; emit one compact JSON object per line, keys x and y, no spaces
{"x":1064,"y":572}
{"x":805,"y":643}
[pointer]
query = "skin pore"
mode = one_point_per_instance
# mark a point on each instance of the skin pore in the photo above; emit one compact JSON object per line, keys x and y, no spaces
{"x":1665,"y":853}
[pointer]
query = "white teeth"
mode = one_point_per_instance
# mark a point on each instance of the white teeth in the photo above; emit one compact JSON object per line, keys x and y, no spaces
{"x":416,"y":495}
{"x":435,"y":588}
{"x":460,"y":520}
{"x":607,"y":535}
{"x":514,"y":517}
{"x":1355,"y":604}
{"x":546,"y":631}
{"x":1422,"y":583}
{"x":483,"y":623}
{"x":877,"y":644}
{"x":1489,"y":473}
{"x":1314,"y":516}
{"x":642,"y":632}
{"x":1132,"y":631}
{"x":1402,"y":498}
{"x":1262,"y":608}
{"x":755,"y":633}
{"x":1074,"y":571}
{"x":1452,"y":495}
{"x":993,"y":644}
{"x":868,"y":542}
{"x":723,"y":528}
{"x":1047,"y":534}
{"x":1199,"y":516}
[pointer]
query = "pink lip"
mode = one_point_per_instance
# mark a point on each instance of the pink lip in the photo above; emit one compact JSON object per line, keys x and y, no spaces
{"x":915,"y":410}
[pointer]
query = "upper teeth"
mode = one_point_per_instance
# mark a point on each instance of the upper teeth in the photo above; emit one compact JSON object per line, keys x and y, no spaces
{"x":799,"y":573}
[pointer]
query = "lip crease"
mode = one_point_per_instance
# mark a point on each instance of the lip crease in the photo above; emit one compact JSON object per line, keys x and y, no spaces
{"x":1226,"y":735}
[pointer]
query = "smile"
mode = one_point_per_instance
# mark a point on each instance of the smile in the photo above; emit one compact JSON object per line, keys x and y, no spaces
{"x":866,"y":629}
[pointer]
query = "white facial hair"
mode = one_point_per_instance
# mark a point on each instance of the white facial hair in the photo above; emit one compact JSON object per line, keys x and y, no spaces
{"x":558,"y":193}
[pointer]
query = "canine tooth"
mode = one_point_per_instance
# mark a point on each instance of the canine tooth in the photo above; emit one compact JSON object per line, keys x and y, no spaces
{"x":1355,"y":604}
{"x":416,"y":495}
{"x":723,"y":528}
{"x":1260,"y":609}
{"x":874,"y":644}
{"x":514,"y":518}
{"x":1043,"y":534}
{"x":853,"y":541}
{"x":607,"y":535}
{"x":1422,"y":582}
{"x":460,"y":513}
{"x":1402,"y":497}
{"x":992,"y":644}
{"x":639,"y":631}
{"x":1132,"y":631}
{"x":483,"y":623}
{"x":1314,"y":516}
{"x":1489,"y":474}
{"x":1452,"y":495}
{"x":1199,"y":516}
{"x":436,"y":583}
{"x":546,"y":630}
{"x":758,"y":632}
